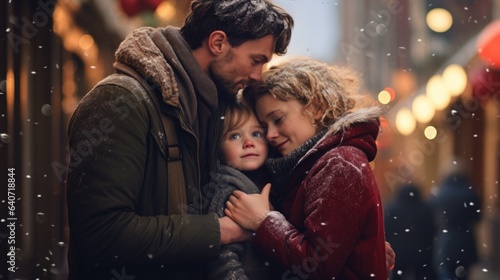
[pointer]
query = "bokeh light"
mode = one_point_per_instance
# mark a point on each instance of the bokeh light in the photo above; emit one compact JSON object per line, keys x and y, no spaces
{"x":391,"y":91}
{"x":384,"y":97}
{"x":430,"y":132}
{"x":86,"y":42}
{"x":165,"y":11}
{"x":422,"y":109}
{"x":405,"y":122}
{"x":439,"y":20}
{"x":455,"y":79}
{"x":437,"y":92}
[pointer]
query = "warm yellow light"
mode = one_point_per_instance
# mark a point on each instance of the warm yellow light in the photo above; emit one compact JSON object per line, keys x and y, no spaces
{"x":86,"y":42}
{"x":422,"y":109}
{"x":61,"y":21}
{"x":384,"y":97}
{"x":405,"y":122}
{"x":455,"y":79}
{"x":439,"y":20}
{"x":437,"y":92}
{"x":430,"y":132}
{"x":165,"y":11}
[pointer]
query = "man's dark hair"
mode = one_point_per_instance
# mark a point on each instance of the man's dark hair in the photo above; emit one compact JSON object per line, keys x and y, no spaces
{"x":241,"y":20}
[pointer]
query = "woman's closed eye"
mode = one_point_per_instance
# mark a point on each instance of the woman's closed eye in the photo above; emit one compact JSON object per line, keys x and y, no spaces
{"x":278,"y":120}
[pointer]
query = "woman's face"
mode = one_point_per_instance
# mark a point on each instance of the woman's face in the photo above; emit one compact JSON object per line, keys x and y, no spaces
{"x":287,"y":125}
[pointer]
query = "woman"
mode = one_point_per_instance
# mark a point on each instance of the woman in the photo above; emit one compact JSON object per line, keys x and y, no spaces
{"x":331,"y":226}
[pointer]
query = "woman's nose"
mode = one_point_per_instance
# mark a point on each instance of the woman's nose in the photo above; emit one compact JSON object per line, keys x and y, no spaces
{"x":271,"y":133}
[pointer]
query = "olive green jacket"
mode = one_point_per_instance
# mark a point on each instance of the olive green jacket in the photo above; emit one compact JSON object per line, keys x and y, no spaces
{"x":120,"y":225}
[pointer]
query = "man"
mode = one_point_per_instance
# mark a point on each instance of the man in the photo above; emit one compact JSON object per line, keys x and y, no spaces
{"x":127,"y":221}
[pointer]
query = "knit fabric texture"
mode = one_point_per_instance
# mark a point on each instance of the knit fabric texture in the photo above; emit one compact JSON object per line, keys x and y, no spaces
{"x":228,"y":265}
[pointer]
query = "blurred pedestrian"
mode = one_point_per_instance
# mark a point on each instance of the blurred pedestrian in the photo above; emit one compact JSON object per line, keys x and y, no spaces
{"x":457,"y":209}
{"x":410,"y":228}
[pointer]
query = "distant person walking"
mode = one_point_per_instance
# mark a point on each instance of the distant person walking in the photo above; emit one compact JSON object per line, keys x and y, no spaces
{"x":456,"y":207}
{"x":410,"y":228}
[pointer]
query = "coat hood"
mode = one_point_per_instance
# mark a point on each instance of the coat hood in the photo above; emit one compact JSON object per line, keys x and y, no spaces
{"x":163,"y":58}
{"x":359,"y":129}
{"x":140,"y":52}
{"x":361,"y":115}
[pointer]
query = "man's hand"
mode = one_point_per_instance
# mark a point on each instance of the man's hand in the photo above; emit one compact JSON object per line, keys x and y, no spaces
{"x":231,"y":232}
{"x":249,"y":210}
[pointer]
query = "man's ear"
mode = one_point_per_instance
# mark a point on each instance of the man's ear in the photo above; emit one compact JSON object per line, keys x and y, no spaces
{"x":216,"y":42}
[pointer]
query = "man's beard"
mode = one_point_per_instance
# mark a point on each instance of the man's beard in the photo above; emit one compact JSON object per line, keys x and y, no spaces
{"x":220,"y":77}
{"x":223,"y":85}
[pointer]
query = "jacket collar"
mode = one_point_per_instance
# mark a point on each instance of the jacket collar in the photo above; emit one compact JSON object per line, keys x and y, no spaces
{"x":161,"y":54}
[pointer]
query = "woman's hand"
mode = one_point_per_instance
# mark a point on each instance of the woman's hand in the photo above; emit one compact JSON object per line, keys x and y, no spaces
{"x":390,"y":257}
{"x":249,"y":210}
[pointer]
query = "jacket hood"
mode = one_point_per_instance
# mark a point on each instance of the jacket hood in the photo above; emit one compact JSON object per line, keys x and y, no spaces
{"x":362,"y":115}
{"x":140,"y":52}
{"x":359,"y":129}
{"x":164,"y":59}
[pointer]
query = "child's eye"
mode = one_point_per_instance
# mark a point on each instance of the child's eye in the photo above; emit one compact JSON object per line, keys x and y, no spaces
{"x":257,"y":134}
{"x":234,"y":136}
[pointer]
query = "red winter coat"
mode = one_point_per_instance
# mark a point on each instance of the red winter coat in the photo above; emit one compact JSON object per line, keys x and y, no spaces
{"x":331,"y":226}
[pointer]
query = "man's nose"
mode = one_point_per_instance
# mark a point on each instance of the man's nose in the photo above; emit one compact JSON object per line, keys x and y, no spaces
{"x":256,"y":75}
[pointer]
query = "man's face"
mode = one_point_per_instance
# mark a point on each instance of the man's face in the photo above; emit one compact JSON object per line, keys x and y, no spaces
{"x":241,"y":66}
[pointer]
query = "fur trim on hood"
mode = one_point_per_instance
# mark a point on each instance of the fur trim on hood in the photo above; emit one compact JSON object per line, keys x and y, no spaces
{"x":358,"y":116}
{"x":163,"y":58}
{"x":349,"y":136}
{"x":140,"y":52}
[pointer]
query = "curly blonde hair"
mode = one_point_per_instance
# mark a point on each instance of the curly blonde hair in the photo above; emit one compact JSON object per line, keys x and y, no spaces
{"x":320,"y":87}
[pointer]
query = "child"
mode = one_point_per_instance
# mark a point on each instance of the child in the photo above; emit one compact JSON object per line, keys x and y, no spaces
{"x":243,"y":151}
{"x":331,"y":222}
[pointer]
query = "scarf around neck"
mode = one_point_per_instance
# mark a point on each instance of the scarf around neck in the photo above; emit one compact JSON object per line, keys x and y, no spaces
{"x":281,"y":168}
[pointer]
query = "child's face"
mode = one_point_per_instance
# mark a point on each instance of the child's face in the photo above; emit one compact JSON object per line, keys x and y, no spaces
{"x":245,"y":147}
{"x":287,"y":125}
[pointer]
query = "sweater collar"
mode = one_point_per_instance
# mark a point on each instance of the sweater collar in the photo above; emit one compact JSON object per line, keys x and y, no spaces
{"x":281,"y":168}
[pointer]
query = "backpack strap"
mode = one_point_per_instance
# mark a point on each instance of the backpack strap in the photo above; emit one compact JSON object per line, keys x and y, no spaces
{"x":176,"y":189}
{"x":176,"y":184}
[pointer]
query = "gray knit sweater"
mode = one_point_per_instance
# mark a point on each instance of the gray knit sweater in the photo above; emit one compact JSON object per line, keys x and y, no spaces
{"x":229,"y":264}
